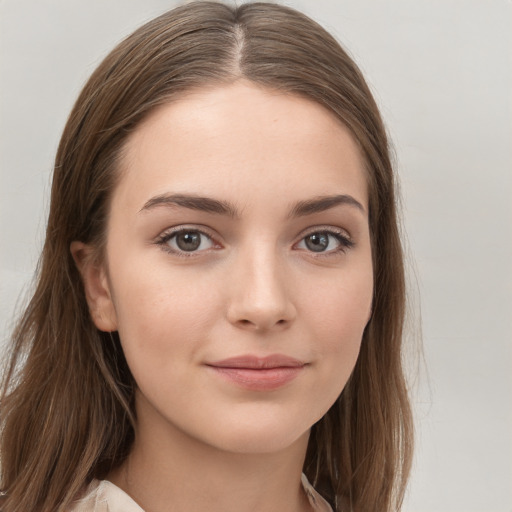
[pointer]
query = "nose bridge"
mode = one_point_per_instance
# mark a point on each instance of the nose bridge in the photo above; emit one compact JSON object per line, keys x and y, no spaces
{"x":260,"y":297}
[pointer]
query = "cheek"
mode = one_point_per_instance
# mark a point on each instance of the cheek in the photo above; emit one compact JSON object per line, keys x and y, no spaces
{"x":156,"y":310}
{"x":338,"y":316}
{"x":341,"y":309}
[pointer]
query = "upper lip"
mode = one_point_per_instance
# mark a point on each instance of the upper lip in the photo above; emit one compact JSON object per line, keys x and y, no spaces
{"x":258,"y":363}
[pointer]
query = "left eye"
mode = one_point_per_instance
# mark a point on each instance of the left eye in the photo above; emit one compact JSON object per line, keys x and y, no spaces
{"x":324,"y":241}
{"x":188,"y":241}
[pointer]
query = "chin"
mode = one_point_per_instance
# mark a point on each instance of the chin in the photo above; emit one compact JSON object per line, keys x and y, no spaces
{"x":261,"y":445}
{"x":257,"y":439}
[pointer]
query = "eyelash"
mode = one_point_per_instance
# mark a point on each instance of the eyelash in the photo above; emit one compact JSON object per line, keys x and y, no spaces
{"x":345,"y":243}
{"x":164,"y":238}
{"x":341,"y":236}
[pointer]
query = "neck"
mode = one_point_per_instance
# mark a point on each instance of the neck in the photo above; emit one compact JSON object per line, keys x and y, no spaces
{"x":169,"y":470}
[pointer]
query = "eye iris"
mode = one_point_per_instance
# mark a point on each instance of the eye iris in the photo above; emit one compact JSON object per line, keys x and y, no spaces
{"x":317,"y":242}
{"x":188,"y":241}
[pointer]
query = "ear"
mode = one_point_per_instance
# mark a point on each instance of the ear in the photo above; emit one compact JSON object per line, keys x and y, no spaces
{"x":96,"y":285}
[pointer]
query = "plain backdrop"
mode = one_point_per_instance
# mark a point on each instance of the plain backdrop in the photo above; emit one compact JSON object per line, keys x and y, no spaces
{"x":441,"y":71}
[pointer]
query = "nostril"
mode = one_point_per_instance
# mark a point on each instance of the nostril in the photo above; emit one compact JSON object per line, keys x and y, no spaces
{"x":245,"y":322}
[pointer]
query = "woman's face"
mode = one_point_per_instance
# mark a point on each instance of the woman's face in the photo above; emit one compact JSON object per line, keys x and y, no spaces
{"x":238,"y":266}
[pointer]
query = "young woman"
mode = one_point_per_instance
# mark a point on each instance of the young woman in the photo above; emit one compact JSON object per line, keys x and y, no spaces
{"x":218,"y":317}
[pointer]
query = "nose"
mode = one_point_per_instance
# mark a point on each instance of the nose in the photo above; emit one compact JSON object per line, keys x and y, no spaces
{"x":260,"y":298}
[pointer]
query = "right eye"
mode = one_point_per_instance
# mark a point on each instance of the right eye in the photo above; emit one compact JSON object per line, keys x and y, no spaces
{"x":184,"y":241}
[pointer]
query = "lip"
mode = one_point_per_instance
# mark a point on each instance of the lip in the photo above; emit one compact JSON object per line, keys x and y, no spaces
{"x":258,"y":373}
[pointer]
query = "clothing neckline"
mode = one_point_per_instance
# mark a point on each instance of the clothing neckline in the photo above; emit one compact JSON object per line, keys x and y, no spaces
{"x":107,"y":496}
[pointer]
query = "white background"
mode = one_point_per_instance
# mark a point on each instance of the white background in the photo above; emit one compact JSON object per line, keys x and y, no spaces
{"x":442,"y":74}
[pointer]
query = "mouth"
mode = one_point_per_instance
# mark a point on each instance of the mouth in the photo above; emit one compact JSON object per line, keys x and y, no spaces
{"x":258,"y":373}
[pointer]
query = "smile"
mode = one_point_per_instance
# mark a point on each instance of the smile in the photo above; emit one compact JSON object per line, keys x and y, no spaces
{"x":258,"y":373}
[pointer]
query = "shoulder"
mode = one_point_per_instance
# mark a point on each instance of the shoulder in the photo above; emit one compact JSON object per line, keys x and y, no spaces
{"x":91,"y":499}
{"x":104,"y":496}
{"x":317,"y":502}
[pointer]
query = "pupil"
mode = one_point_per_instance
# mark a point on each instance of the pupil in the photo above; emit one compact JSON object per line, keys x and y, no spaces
{"x":189,"y":241}
{"x":317,"y":242}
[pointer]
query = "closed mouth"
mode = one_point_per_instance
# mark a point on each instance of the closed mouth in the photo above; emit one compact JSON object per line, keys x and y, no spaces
{"x":252,"y":362}
{"x":259,"y":373}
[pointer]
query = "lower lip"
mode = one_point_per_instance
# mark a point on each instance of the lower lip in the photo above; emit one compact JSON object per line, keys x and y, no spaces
{"x":261,"y":379}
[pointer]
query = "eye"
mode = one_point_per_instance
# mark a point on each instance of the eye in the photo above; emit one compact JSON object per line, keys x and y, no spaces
{"x":325,"y":242}
{"x":185,"y":241}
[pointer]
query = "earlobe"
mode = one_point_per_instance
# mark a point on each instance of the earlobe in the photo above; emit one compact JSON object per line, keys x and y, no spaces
{"x":96,"y":286}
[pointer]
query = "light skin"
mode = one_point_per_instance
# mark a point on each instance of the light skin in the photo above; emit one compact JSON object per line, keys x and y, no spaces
{"x":239,"y":227}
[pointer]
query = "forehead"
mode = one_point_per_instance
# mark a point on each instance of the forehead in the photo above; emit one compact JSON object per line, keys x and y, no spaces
{"x":236,"y":138}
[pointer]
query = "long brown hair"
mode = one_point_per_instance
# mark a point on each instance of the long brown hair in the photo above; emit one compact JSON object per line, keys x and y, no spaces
{"x":67,"y":397}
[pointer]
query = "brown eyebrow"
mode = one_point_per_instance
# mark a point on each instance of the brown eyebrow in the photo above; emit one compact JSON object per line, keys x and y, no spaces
{"x":209,"y":205}
{"x":323,"y":203}
{"x":204,"y":204}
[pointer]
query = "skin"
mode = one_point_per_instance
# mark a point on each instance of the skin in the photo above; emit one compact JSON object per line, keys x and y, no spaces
{"x":254,"y":286}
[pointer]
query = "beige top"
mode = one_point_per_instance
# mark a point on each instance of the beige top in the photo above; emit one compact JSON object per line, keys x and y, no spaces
{"x":104,"y":496}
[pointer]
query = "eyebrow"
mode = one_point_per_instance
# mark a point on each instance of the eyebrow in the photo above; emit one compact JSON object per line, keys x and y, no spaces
{"x":323,"y":203}
{"x":192,"y":202}
{"x":210,"y":205}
